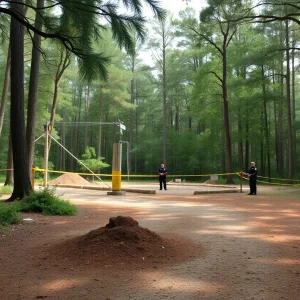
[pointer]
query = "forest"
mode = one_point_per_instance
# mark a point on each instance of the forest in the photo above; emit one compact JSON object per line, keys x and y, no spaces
{"x":202,"y":93}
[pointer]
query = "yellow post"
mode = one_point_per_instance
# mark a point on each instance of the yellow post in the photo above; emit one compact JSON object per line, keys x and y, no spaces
{"x":116,"y":167}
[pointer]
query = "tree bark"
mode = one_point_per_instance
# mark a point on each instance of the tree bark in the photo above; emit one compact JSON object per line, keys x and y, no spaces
{"x":226,"y":114}
{"x":288,"y":104}
{"x":63,"y":65}
{"x":5,"y":87}
{"x":293,"y":91}
{"x":22,"y":183}
{"x":164,"y":74}
{"x":100,"y":126}
{"x":33,"y":85}
{"x":10,"y":165}
{"x":265,"y":124}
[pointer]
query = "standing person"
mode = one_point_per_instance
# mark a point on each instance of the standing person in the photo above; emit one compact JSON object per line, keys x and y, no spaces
{"x":162,"y":175}
{"x":252,"y":175}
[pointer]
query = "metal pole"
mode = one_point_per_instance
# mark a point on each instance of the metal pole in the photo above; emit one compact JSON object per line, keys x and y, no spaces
{"x":46,"y":154}
{"x":116,"y":167}
{"x":128,"y":161}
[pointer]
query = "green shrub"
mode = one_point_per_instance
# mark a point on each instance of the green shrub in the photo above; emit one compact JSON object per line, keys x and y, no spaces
{"x":8,"y":214}
{"x":46,"y":202}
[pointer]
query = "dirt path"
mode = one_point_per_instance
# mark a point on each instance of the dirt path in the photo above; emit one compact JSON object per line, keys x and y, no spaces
{"x":246,"y":247}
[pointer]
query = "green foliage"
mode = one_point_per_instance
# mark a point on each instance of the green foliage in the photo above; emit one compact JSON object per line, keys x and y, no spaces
{"x":90,"y":160}
{"x":8,"y":214}
{"x":6,"y":189}
{"x":46,"y":202}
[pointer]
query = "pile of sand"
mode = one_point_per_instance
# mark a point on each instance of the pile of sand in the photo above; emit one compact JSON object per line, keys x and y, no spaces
{"x":210,"y":181}
{"x":122,"y":242}
{"x":66,"y":179}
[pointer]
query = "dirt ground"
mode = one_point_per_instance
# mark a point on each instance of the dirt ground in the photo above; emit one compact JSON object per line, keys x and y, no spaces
{"x":218,"y":246}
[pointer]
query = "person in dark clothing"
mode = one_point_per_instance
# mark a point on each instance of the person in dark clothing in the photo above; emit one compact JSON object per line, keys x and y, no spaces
{"x":252,"y":175}
{"x":162,"y":175}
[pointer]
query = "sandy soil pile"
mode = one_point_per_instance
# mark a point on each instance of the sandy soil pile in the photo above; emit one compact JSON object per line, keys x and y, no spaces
{"x":122,"y":242}
{"x":70,"y":179}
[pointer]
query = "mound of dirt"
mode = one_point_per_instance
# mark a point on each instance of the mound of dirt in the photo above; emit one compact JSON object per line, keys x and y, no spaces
{"x":69,"y":179}
{"x":123,"y":243}
{"x":210,"y":181}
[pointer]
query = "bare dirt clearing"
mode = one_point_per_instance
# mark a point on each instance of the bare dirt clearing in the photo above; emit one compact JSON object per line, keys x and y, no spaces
{"x":223,"y":246}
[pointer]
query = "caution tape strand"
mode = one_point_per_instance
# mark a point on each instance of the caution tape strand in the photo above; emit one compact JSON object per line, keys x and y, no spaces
{"x":239,"y":174}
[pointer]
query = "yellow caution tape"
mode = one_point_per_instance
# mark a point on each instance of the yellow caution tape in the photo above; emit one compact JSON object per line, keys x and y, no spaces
{"x":239,"y":174}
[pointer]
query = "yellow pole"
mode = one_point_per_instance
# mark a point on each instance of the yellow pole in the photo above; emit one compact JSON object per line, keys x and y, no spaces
{"x":116,"y":167}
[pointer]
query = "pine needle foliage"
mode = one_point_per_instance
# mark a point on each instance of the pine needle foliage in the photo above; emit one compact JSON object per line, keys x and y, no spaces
{"x":78,"y":24}
{"x":90,"y":159}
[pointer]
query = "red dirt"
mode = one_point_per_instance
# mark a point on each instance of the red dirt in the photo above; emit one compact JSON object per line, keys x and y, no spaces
{"x":216,"y":247}
{"x":121,"y":242}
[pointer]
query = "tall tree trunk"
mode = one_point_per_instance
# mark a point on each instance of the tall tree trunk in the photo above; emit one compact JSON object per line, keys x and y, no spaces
{"x":5,"y":87}
{"x":63,"y":142}
{"x":265,"y":124}
{"x":240,"y":143}
{"x":63,"y":65}
{"x":100,"y":126}
{"x":10,"y":165}
{"x":132,"y":92}
{"x":86,"y":110}
{"x":22,"y":183}
{"x":247,"y":144}
{"x":288,"y":104}
{"x":280,"y":137}
{"x":294,"y":101}
{"x":226,"y":116}
{"x":33,"y":85}
{"x":164,"y":71}
{"x":262,"y":146}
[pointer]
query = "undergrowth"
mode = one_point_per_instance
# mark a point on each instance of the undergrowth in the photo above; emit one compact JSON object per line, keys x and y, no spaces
{"x":43,"y":201}
{"x":46,"y":202}
{"x":8,"y":214}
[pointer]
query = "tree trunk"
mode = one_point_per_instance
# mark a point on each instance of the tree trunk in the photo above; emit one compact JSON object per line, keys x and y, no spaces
{"x":294,"y":102}
{"x":226,"y":116}
{"x":10,"y":165}
{"x":33,"y":85}
{"x":63,"y":65}
{"x":164,"y":105}
{"x":132,"y":91}
{"x":280,"y":121}
{"x":266,"y":125}
{"x":22,"y":183}
{"x":5,"y":88}
{"x":240,"y":142}
{"x":100,"y":126}
{"x":288,"y":104}
{"x":63,"y":142}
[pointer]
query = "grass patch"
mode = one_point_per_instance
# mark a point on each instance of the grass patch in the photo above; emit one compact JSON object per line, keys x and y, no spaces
{"x":46,"y":202}
{"x":8,"y":214}
{"x":6,"y":190}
